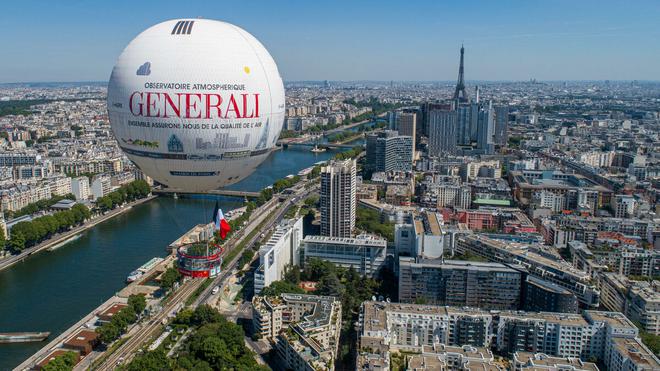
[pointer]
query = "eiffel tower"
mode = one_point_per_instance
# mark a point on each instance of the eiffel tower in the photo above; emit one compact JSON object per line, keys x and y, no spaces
{"x":460,"y":95}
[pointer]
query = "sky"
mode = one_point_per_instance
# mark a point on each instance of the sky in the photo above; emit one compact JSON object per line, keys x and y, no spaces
{"x":409,"y":40}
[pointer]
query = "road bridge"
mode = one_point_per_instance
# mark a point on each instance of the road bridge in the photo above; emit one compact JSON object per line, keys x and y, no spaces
{"x":220,"y":192}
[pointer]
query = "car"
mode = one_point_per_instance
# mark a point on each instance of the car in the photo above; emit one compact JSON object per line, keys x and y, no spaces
{"x":215,"y":290}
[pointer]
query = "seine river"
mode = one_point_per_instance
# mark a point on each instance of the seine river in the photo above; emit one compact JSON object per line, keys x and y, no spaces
{"x":52,"y":290}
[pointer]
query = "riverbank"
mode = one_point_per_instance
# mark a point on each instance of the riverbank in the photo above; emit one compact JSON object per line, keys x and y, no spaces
{"x":90,"y":321}
{"x":306,"y":136}
{"x":64,"y":237}
{"x":144,"y":330}
{"x":56,"y":289}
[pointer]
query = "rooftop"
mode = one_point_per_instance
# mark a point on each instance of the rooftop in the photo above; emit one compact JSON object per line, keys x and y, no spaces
{"x":462,"y":264}
{"x":639,"y":353}
{"x":360,"y":240}
{"x":614,"y":319}
{"x":539,"y":359}
{"x":322,"y":313}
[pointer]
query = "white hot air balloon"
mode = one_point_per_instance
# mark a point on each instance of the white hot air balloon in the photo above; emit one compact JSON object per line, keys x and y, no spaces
{"x":196,"y":104}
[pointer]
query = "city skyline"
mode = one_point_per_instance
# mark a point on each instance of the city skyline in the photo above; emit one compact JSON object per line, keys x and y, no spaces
{"x":370,"y":42}
{"x":397,"y":186}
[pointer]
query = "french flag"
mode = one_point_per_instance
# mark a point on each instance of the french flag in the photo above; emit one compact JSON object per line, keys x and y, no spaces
{"x":220,"y":222}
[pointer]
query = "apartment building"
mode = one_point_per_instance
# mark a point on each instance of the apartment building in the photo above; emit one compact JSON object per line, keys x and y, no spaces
{"x":281,"y":250}
{"x":459,"y":283}
{"x":536,"y":261}
{"x":365,"y":253}
{"x":388,"y":328}
{"x":305,"y":329}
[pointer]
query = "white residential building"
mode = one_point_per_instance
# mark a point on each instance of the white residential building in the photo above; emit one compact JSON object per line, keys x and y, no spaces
{"x":80,"y":187}
{"x":59,"y":185}
{"x":21,"y":195}
{"x":282,"y":249}
{"x":597,"y":158}
{"x":101,"y":186}
{"x":365,"y":253}
{"x":624,"y":206}
{"x":338,"y":201}
{"x":457,"y":196}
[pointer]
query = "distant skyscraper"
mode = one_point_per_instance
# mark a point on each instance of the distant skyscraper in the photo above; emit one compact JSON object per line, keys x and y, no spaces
{"x":425,"y":115}
{"x":442,"y":132}
{"x":338,"y":203}
{"x":464,"y":125}
{"x":407,"y":125}
{"x":391,"y":120}
{"x":501,"y":125}
{"x":387,"y":150}
{"x":474,"y":122}
{"x":485,"y":129}
{"x":460,"y":94}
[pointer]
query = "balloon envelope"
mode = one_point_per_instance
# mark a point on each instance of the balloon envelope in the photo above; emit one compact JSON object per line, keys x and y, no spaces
{"x":196,"y":104}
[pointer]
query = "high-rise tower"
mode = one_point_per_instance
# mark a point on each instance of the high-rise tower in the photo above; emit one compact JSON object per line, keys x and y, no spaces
{"x":338,"y":187}
{"x":460,"y":94}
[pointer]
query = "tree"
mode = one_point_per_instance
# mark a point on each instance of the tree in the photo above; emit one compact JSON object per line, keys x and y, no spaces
{"x":150,"y":361}
{"x":205,"y":314}
{"x":2,"y":239}
{"x":213,"y":350}
{"x":315,"y":269}
{"x":116,"y":198}
{"x":104,"y":203}
{"x":246,"y":257}
{"x":108,"y":332}
{"x":137,"y":302}
{"x":421,"y":300}
{"x":316,"y":171}
{"x":168,"y":278}
{"x":312,"y":201}
{"x":369,"y":220}
{"x":187,"y":362}
{"x":184,"y":317}
{"x":221,"y":345}
{"x":331,"y":286}
{"x":16,"y":243}
{"x":281,"y":287}
{"x":292,"y":274}
{"x":123,"y":318}
{"x":63,"y":362}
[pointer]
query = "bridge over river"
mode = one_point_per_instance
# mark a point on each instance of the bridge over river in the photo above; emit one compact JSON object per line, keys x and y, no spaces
{"x":221,"y":192}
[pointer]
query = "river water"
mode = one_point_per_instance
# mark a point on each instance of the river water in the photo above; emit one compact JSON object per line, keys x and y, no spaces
{"x":51,"y":291}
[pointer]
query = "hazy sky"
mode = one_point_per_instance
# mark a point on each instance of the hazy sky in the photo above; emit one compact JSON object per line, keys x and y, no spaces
{"x":354,"y":40}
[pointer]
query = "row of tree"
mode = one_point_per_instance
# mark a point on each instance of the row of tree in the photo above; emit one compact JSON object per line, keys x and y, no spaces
{"x":376,"y":105}
{"x":215,"y":344}
{"x":267,"y":193}
{"x":38,"y":206}
{"x":29,"y":233}
{"x":130,"y":192}
{"x":351,"y":153}
{"x":284,"y":183}
{"x":111,"y":331}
